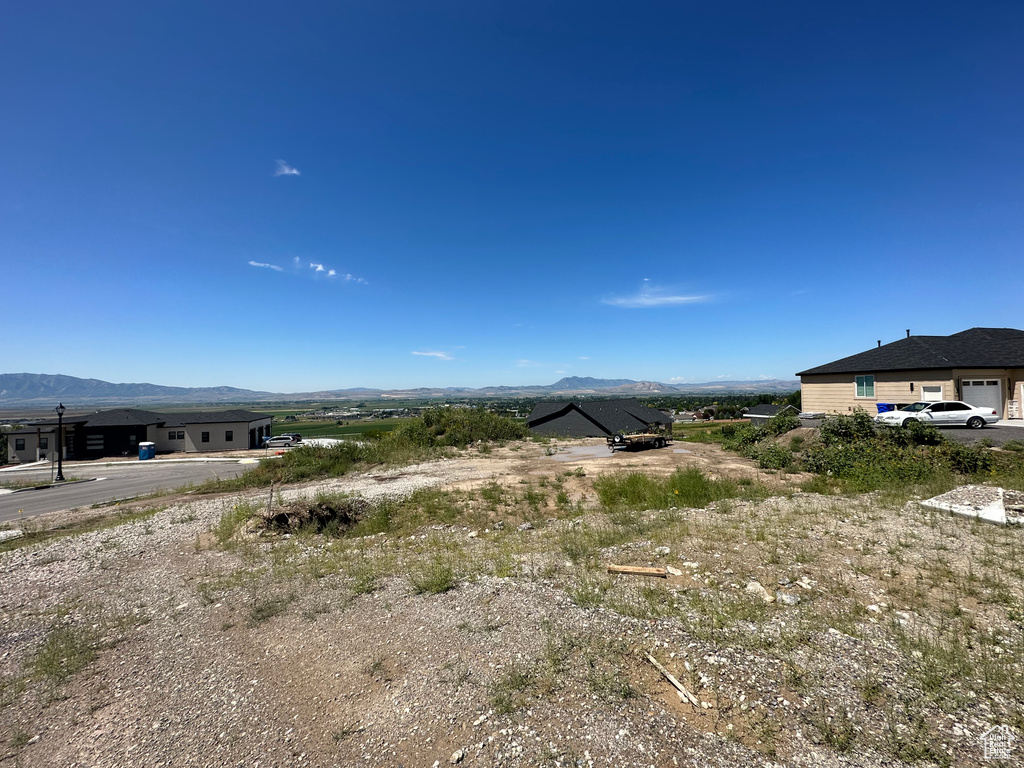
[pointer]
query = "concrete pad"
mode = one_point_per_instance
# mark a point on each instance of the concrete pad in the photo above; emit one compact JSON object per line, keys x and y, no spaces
{"x":982,"y":502}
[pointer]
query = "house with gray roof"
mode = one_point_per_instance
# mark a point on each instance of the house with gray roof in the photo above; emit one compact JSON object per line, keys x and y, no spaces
{"x":980,"y":366}
{"x":759,"y":414}
{"x":595,"y":418}
{"x":119,"y":431}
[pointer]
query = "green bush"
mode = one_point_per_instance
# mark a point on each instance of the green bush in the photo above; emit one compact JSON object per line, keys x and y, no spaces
{"x":774,"y":456}
{"x":846,"y":429}
{"x":780,"y":424}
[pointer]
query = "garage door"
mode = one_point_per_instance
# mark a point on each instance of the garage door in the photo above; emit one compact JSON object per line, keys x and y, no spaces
{"x":983,"y":394}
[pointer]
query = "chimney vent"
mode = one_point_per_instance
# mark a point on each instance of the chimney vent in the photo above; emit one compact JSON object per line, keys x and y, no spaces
{"x":908,"y":333}
{"x":879,"y":342}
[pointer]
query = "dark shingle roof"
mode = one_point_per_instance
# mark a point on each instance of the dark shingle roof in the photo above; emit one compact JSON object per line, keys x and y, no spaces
{"x":627,"y":415}
{"x":213,"y":417}
{"x":763,"y":410}
{"x":132,"y":417}
{"x":973,"y":348}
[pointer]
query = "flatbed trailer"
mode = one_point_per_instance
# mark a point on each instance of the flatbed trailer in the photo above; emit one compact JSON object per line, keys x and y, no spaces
{"x":621,"y":442}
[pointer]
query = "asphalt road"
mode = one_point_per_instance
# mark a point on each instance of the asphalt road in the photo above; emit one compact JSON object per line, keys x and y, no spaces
{"x":997,"y":434}
{"x":111,"y":483}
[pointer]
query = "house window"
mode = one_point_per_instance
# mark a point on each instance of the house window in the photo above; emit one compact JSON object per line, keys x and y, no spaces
{"x":44,"y":443}
{"x":171,"y":435}
{"x":132,"y":439}
{"x":229,"y":435}
{"x":94,"y":442}
{"x":865,"y":386}
{"x":19,"y":443}
{"x":205,"y":437}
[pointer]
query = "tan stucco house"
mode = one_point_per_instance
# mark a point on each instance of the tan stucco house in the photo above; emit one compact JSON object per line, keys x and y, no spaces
{"x":118,"y":432}
{"x":981,"y":366}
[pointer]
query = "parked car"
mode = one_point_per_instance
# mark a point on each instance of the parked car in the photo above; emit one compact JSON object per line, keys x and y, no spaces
{"x":943,"y":413}
{"x":281,"y":441}
{"x":293,"y":435}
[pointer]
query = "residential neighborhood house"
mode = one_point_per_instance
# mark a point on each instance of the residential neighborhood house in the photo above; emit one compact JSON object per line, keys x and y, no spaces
{"x":595,"y":418}
{"x":759,"y":414}
{"x":980,"y":366}
{"x":118,"y":432}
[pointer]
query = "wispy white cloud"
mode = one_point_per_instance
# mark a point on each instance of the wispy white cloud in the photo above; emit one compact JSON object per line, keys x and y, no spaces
{"x":320,"y":269}
{"x":678,"y":378}
{"x":438,"y":355}
{"x":652,"y":296}
{"x":584,"y":358}
{"x":283,"y":169}
{"x":523,"y":363}
{"x":265,"y":266}
{"x":561,"y":372}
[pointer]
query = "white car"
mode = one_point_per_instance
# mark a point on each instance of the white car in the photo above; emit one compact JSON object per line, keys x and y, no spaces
{"x":944,"y":413}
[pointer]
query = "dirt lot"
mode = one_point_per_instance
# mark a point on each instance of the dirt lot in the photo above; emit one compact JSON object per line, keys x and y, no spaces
{"x":810,"y":630}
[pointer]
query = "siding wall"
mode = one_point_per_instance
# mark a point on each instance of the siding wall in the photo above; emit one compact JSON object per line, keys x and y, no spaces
{"x":194,"y":435}
{"x":836,"y":393}
{"x":30,"y":453}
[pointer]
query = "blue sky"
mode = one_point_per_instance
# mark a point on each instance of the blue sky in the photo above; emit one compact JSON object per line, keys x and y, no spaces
{"x":325,"y":195}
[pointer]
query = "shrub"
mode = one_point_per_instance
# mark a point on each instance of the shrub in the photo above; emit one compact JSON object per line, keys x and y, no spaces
{"x":846,"y":429}
{"x":780,"y":424}
{"x":965,"y":459}
{"x":774,"y":456}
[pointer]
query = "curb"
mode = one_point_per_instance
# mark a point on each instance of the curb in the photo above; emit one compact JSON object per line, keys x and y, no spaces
{"x":54,"y":485}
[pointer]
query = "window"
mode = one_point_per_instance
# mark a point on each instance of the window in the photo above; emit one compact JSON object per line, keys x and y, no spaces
{"x":229,"y":436}
{"x":94,"y":442}
{"x":179,"y":435}
{"x":957,"y":407}
{"x":132,"y":440}
{"x":205,"y":437}
{"x":865,"y":386}
{"x":171,"y":435}
{"x":44,"y":443}
{"x":19,"y":443}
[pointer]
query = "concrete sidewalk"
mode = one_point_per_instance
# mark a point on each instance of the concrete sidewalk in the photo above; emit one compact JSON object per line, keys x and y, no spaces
{"x":72,"y":465}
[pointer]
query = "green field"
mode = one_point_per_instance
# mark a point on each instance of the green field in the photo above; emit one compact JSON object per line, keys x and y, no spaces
{"x":329,"y":428}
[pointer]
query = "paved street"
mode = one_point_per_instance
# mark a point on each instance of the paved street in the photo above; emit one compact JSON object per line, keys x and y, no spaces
{"x":998,"y":434}
{"x":119,"y":481}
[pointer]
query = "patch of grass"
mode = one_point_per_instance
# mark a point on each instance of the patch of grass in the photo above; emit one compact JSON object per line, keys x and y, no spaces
{"x":66,"y":650}
{"x":266,"y":608}
{"x":233,"y":519}
{"x":510,"y":691}
{"x":435,"y":574}
{"x":684,"y":488}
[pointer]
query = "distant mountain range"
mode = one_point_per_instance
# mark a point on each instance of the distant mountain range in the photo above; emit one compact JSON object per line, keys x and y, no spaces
{"x":40,"y":389}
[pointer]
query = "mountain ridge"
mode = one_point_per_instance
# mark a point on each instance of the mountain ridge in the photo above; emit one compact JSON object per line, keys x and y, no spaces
{"x":33,"y":389}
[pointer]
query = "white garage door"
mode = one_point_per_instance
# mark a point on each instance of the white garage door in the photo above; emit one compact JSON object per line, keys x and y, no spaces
{"x":983,"y":394}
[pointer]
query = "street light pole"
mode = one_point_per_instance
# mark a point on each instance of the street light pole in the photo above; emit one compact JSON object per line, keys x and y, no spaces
{"x":60,"y":443}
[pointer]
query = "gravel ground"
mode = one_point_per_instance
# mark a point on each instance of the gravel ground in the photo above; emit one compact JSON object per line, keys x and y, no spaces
{"x":255,"y":655}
